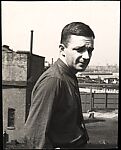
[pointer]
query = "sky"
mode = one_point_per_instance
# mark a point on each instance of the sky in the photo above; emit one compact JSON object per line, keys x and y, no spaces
{"x":47,"y":18}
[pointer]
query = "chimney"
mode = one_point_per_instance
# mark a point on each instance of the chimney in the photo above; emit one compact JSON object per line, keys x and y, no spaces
{"x":31,"y":42}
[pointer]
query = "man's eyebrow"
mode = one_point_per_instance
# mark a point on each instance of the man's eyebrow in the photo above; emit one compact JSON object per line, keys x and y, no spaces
{"x":78,"y":47}
{"x":88,"y":41}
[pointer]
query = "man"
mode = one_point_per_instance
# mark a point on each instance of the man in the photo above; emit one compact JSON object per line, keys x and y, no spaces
{"x":55,"y":119}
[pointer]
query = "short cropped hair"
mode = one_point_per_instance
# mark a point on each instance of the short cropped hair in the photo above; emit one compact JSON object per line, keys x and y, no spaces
{"x":75,"y":28}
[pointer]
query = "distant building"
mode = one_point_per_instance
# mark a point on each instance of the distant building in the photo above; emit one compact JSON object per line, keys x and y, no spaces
{"x":111,"y":80}
{"x":20,"y":70}
{"x":107,"y":68}
{"x":105,"y":77}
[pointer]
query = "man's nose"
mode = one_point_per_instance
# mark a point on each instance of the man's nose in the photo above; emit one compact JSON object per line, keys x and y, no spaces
{"x":85,"y":55}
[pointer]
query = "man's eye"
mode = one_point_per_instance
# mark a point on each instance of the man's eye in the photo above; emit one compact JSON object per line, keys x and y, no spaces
{"x":90,"y":49}
{"x":80,"y":50}
{"x":83,"y":49}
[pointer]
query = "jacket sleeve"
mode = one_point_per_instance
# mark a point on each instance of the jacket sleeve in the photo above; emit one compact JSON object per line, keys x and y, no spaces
{"x":40,"y":112}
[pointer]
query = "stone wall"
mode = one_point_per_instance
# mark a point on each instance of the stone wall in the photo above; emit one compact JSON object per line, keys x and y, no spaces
{"x":20,"y":70}
{"x":14,"y":66}
{"x":14,"y":98}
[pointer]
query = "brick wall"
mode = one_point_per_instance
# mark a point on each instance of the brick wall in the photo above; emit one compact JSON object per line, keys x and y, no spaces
{"x":14,"y":66}
{"x":19,"y":73}
{"x":14,"y":98}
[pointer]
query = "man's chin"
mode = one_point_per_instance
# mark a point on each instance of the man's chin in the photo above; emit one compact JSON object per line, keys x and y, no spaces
{"x":81,"y":69}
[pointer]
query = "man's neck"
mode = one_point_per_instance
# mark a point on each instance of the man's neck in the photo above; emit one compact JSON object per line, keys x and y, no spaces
{"x":63,"y":59}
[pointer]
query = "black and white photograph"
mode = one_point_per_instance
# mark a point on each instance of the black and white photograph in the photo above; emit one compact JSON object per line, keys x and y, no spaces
{"x":60,"y":74}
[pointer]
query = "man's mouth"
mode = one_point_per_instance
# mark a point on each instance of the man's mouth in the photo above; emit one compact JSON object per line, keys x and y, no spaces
{"x":82,"y":64}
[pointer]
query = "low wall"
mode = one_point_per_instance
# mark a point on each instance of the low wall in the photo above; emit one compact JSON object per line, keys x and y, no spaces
{"x":99,"y":101}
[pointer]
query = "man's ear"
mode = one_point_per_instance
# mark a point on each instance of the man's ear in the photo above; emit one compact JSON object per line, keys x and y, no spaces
{"x":62,"y":48}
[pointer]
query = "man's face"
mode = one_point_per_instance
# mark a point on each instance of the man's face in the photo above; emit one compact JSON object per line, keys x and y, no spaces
{"x":78,"y":52}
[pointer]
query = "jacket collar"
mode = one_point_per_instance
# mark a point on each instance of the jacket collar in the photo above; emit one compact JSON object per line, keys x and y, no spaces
{"x":65,"y":68}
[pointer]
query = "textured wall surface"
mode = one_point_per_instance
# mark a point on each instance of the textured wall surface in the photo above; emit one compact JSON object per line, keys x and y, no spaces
{"x":19,"y":74}
{"x":14,"y":98}
{"x":14,"y":66}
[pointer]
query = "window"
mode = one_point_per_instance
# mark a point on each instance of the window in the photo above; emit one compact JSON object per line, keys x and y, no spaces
{"x":11,"y":118}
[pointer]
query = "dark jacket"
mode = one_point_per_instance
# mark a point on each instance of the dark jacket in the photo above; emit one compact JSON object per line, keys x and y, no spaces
{"x":55,"y":116}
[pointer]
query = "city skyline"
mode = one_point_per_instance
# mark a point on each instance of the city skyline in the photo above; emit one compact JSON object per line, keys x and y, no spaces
{"x":47,"y":19}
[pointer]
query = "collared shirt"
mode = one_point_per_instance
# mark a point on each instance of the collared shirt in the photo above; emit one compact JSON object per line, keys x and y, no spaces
{"x":55,"y":116}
